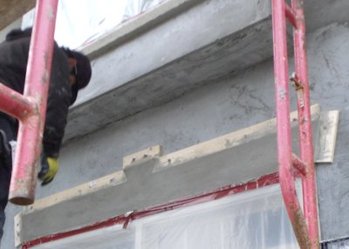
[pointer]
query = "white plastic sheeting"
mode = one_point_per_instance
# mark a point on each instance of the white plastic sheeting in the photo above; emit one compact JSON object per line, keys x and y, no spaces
{"x":81,"y":22}
{"x":250,"y":220}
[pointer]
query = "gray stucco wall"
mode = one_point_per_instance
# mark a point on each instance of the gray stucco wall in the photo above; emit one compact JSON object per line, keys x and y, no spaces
{"x":224,"y":106}
{"x":341,"y":244}
{"x":217,"y":108}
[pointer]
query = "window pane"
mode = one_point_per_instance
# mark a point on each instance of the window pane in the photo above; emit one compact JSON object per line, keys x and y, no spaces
{"x":254,"y":219}
{"x":250,"y":220}
{"x":81,"y":22}
{"x":107,"y":238}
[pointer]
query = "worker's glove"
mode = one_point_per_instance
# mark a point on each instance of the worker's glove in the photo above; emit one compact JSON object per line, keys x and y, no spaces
{"x":49,"y":168}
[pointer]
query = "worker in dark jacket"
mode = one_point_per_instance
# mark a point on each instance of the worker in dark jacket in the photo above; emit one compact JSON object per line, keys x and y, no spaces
{"x":70,"y":72}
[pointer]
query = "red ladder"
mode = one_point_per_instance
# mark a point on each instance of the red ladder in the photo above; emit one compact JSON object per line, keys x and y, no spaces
{"x":304,"y":222}
{"x":30,"y":108}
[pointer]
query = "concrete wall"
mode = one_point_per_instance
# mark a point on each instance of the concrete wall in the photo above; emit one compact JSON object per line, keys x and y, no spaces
{"x":329,"y":77}
{"x":14,"y":25}
{"x":216,"y":108}
{"x":340,"y":244}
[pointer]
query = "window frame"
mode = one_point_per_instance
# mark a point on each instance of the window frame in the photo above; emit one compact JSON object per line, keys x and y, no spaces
{"x":120,"y":223}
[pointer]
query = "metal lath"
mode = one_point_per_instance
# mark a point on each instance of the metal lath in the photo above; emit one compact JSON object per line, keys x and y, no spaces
{"x":304,"y":222}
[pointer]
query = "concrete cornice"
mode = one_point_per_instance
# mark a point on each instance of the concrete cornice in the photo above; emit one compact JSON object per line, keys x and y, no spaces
{"x":187,"y":47}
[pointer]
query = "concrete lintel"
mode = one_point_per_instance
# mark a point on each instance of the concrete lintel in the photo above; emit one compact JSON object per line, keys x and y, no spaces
{"x":136,"y":26}
{"x":157,"y":179}
{"x":11,"y":10}
{"x":197,"y":45}
{"x":176,"y":47}
{"x":139,"y":157}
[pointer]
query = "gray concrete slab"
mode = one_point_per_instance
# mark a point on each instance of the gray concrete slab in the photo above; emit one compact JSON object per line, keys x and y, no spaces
{"x":338,"y":244}
{"x":149,"y":178}
{"x":188,"y":44}
{"x":208,"y":41}
{"x":11,"y":10}
{"x":320,"y":13}
{"x":329,"y":77}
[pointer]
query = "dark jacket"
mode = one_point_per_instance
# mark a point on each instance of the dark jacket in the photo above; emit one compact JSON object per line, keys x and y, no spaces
{"x":13,"y":64}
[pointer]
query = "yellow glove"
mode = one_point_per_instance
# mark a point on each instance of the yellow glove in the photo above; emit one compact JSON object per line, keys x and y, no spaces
{"x":49,"y":169}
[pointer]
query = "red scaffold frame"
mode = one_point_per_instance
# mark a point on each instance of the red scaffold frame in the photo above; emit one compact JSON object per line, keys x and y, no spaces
{"x":30,"y":108}
{"x":304,"y":222}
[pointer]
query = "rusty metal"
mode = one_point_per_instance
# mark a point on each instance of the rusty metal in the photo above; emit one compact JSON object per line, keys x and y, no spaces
{"x":23,"y":181}
{"x":304,"y":222}
{"x":298,"y":85}
{"x":305,"y":129}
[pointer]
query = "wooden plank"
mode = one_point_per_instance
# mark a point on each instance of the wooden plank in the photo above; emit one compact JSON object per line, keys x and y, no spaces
{"x":11,"y":10}
{"x":327,"y":136}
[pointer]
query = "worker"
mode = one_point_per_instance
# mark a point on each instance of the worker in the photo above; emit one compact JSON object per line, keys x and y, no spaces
{"x":71,"y":71}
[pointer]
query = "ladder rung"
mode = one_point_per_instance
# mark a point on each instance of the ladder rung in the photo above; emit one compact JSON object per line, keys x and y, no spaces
{"x":299,"y":165}
{"x":291,"y":15}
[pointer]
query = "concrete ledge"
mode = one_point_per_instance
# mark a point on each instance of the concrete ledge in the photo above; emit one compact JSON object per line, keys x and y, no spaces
{"x":134,"y":27}
{"x":11,"y":10}
{"x":149,"y":179}
{"x":189,"y":48}
{"x":175,"y":48}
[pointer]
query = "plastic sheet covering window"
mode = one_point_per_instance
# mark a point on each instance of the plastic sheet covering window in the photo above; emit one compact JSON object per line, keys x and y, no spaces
{"x":251,"y":220}
{"x":81,"y":22}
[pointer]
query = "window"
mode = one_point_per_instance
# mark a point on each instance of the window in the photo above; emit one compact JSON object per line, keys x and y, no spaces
{"x":249,"y":220}
{"x":80,"y":22}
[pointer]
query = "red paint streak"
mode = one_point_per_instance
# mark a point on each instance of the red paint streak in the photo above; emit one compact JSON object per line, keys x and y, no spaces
{"x":125,"y":219}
